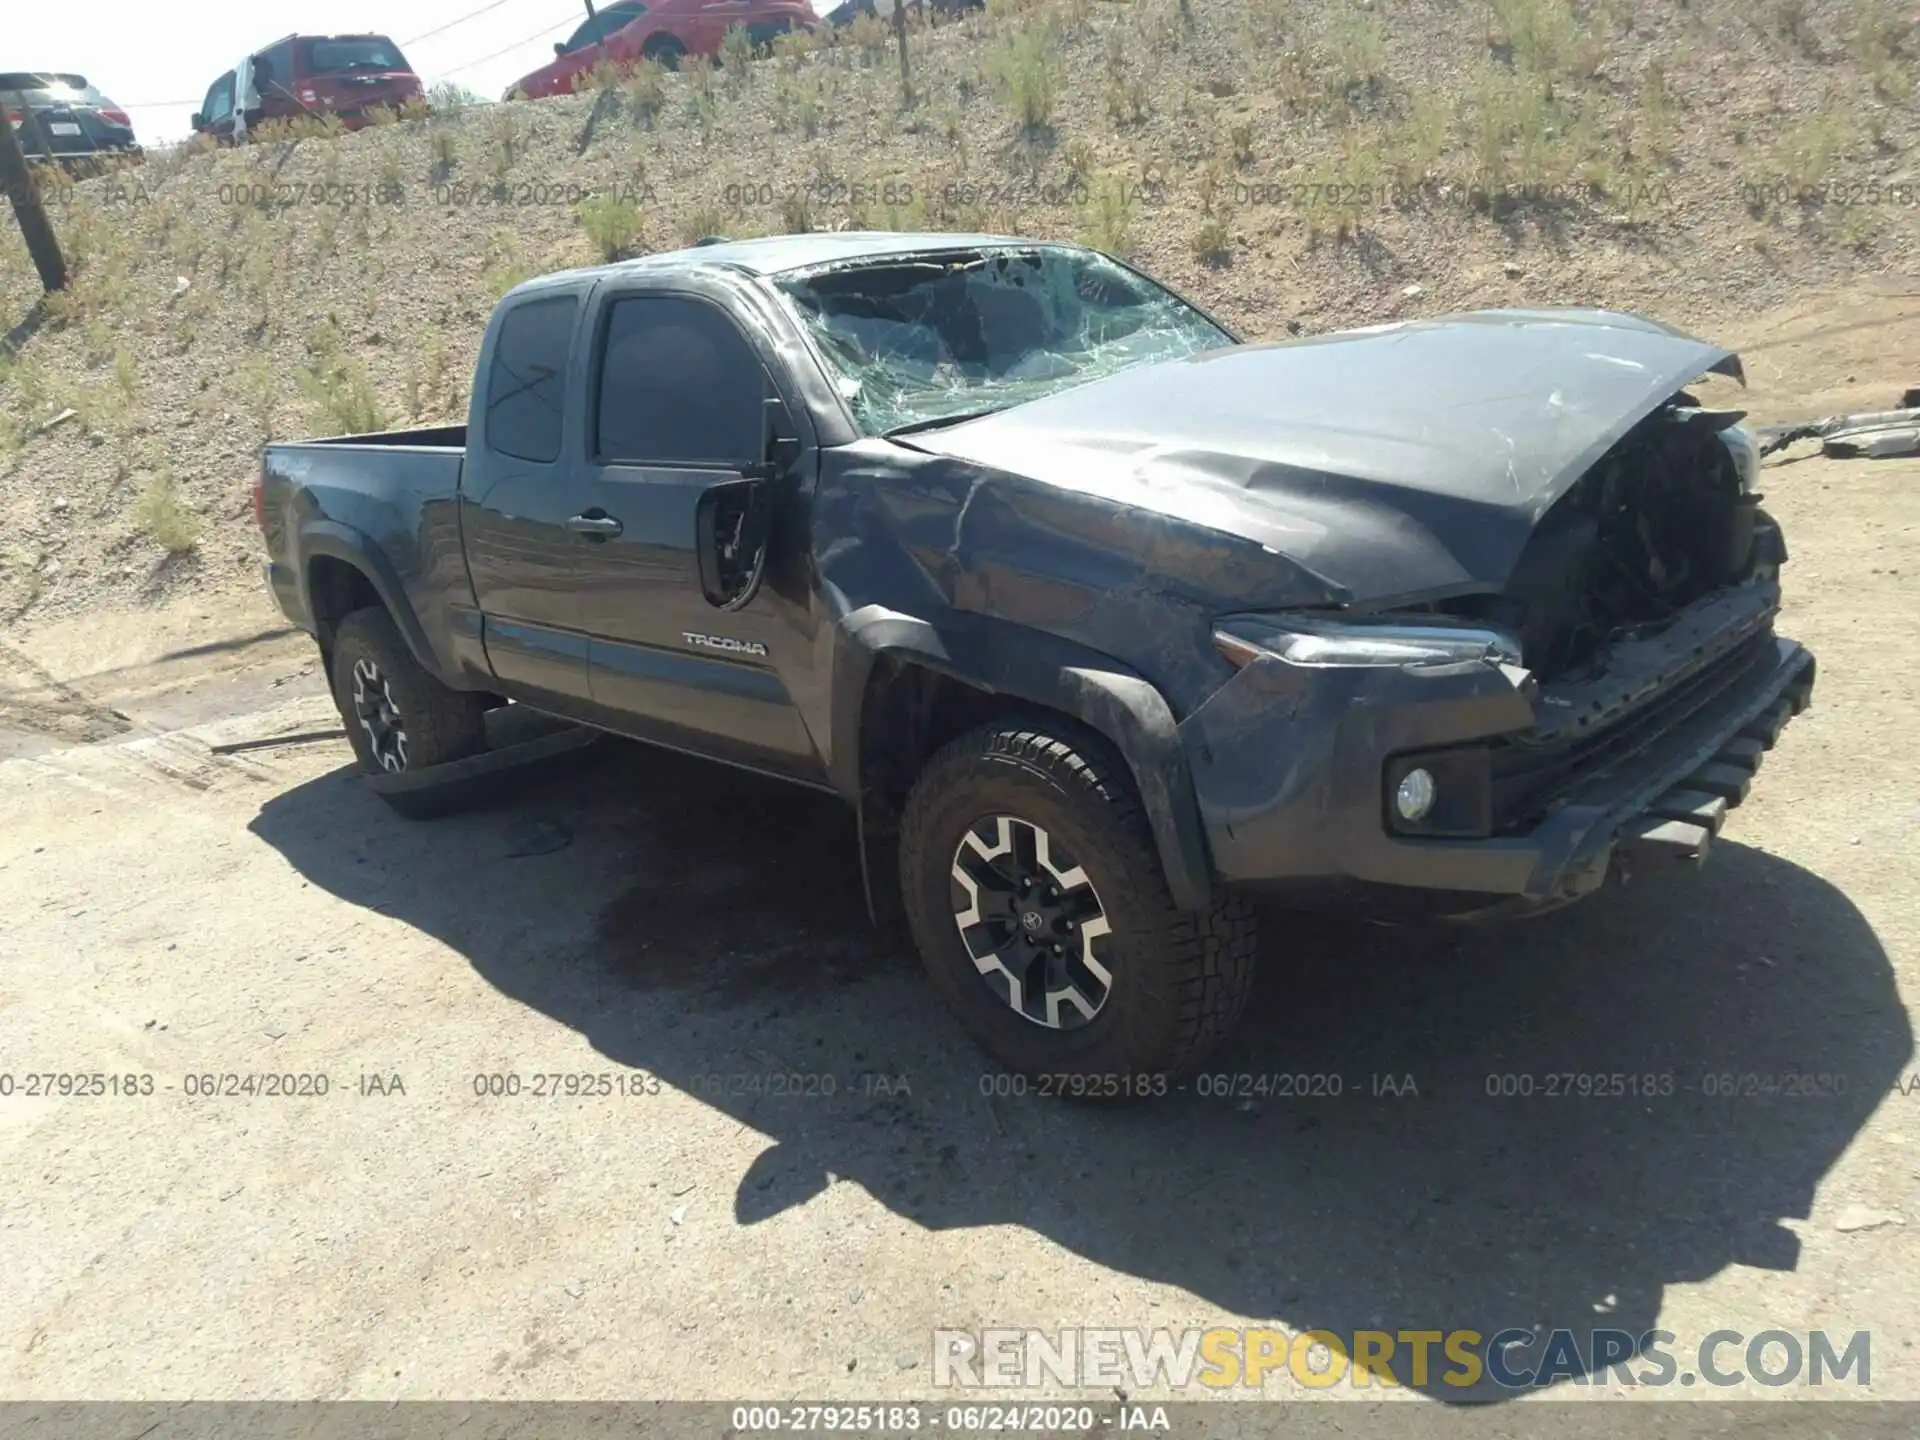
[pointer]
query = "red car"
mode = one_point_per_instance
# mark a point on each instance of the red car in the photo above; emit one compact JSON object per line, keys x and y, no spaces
{"x":629,"y":31}
{"x":317,"y":75}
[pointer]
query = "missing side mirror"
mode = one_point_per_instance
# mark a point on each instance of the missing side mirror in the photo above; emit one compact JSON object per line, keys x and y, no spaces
{"x":731,"y":526}
{"x":734,"y":520}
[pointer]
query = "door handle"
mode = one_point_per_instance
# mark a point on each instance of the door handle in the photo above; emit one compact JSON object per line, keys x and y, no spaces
{"x":595,"y":525}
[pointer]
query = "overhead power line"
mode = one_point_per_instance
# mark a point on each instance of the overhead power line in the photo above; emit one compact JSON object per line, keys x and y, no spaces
{"x":442,"y":29}
{"x":508,"y":49}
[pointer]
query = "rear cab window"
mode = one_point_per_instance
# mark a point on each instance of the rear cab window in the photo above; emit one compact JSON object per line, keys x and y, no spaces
{"x":526,"y":394}
{"x":339,"y":54}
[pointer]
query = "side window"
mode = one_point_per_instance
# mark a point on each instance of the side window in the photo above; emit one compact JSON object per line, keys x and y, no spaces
{"x":603,"y":24}
{"x":616,"y":18}
{"x":219,"y":101}
{"x":587,"y":34}
{"x":679,"y":384}
{"x":273,"y":69}
{"x":527,"y":381}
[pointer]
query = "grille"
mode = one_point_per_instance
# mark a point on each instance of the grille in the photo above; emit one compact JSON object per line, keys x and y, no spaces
{"x":1530,"y":781}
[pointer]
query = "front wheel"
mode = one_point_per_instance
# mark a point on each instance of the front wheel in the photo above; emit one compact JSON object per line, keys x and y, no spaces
{"x":665,"y":50}
{"x":1037,"y":901}
{"x":398,"y":717}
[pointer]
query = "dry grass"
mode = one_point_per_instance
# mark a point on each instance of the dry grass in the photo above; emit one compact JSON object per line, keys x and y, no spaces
{"x":705,"y":221}
{"x":1356,"y":49}
{"x":1883,"y":45}
{"x":259,"y":393}
{"x":611,"y":223}
{"x":1127,"y":96}
{"x":340,"y":395}
{"x":1212,"y":245}
{"x":1108,"y":216}
{"x":870,"y":37}
{"x":646,"y":91}
{"x":1022,"y":66}
{"x":436,"y":385}
{"x":162,"y":515}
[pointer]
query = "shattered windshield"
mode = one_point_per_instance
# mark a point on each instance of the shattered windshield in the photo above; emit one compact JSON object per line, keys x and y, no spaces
{"x":916,"y":341}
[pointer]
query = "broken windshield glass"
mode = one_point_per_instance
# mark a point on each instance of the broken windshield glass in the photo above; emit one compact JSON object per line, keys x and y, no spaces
{"x":927,"y":338}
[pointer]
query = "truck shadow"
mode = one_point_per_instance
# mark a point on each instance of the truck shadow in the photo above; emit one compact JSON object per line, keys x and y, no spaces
{"x":708,"y":927}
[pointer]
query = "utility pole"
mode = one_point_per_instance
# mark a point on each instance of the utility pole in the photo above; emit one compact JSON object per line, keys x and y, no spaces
{"x":24,"y":192}
{"x":900,"y":34}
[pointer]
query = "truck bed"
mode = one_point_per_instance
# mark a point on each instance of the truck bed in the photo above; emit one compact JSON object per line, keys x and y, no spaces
{"x":381,"y":506}
{"x":432,"y":437}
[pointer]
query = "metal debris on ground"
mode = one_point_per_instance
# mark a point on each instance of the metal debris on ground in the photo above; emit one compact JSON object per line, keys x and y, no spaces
{"x":269,"y":742}
{"x":1880,"y":435}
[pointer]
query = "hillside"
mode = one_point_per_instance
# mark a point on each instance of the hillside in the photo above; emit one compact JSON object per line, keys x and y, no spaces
{"x":1291,"y":167}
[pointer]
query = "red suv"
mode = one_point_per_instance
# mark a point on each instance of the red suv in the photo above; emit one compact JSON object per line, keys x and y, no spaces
{"x":344,"y":75}
{"x":628,"y":31}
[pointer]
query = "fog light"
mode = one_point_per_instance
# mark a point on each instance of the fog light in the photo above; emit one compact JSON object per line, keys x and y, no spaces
{"x":1414,"y":796}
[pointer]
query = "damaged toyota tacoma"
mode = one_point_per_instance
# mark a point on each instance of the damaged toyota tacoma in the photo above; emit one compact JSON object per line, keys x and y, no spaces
{"x":1104,"y":622}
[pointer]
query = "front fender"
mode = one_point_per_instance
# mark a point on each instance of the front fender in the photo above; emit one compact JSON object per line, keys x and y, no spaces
{"x":1046,"y":671}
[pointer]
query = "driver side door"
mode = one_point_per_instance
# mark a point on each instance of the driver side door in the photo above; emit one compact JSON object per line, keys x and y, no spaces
{"x":216,"y":111}
{"x":679,"y":405}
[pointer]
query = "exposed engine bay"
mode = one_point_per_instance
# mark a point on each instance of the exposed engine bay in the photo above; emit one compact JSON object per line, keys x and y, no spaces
{"x":1665,"y":518}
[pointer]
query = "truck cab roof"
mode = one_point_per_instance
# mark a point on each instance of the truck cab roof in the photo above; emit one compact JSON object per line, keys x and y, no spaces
{"x":777,"y":254}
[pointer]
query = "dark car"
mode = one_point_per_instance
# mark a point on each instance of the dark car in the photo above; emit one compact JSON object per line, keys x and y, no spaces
{"x":1104,"y":621}
{"x":626,"y":32}
{"x":60,"y":117}
{"x":315,"y":76}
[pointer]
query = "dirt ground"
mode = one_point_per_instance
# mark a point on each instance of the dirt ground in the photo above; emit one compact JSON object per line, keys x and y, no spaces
{"x":175,"y":912}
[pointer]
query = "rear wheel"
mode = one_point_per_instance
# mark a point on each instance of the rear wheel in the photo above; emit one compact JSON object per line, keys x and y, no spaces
{"x":398,"y":717}
{"x":1037,"y":901}
{"x":666,"y":49}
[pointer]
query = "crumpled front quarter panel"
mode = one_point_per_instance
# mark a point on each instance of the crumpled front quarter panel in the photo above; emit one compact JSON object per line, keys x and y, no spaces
{"x":926,"y":535}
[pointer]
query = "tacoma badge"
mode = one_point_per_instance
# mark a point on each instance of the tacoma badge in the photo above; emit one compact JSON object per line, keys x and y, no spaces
{"x":724,"y":642}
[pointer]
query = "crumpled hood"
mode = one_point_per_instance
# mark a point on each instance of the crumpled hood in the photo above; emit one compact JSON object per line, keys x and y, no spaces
{"x":1391,"y":461}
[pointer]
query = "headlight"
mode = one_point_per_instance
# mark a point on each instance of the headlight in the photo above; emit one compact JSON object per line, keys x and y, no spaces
{"x":1317,"y":641}
{"x":1745,"y":449}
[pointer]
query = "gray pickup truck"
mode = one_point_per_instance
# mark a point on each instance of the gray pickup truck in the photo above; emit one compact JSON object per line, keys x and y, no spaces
{"x":1105,"y":622}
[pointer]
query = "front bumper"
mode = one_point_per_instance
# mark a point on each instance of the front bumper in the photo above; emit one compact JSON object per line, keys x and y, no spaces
{"x":82,"y":154}
{"x":1288,"y":765}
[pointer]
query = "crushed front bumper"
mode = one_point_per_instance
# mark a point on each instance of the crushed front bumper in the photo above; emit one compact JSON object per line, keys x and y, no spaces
{"x":1289,"y":765}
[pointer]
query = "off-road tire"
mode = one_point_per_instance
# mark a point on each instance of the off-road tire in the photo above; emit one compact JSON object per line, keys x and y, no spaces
{"x":1179,"y":979}
{"x":439,"y":724}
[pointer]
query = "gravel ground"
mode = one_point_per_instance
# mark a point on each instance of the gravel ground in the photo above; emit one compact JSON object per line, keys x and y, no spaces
{"x":681,"y":929}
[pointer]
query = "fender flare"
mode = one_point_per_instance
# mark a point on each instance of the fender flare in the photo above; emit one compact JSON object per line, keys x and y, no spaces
{"x":1056,"y":674}
{"x":339,"y":542}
